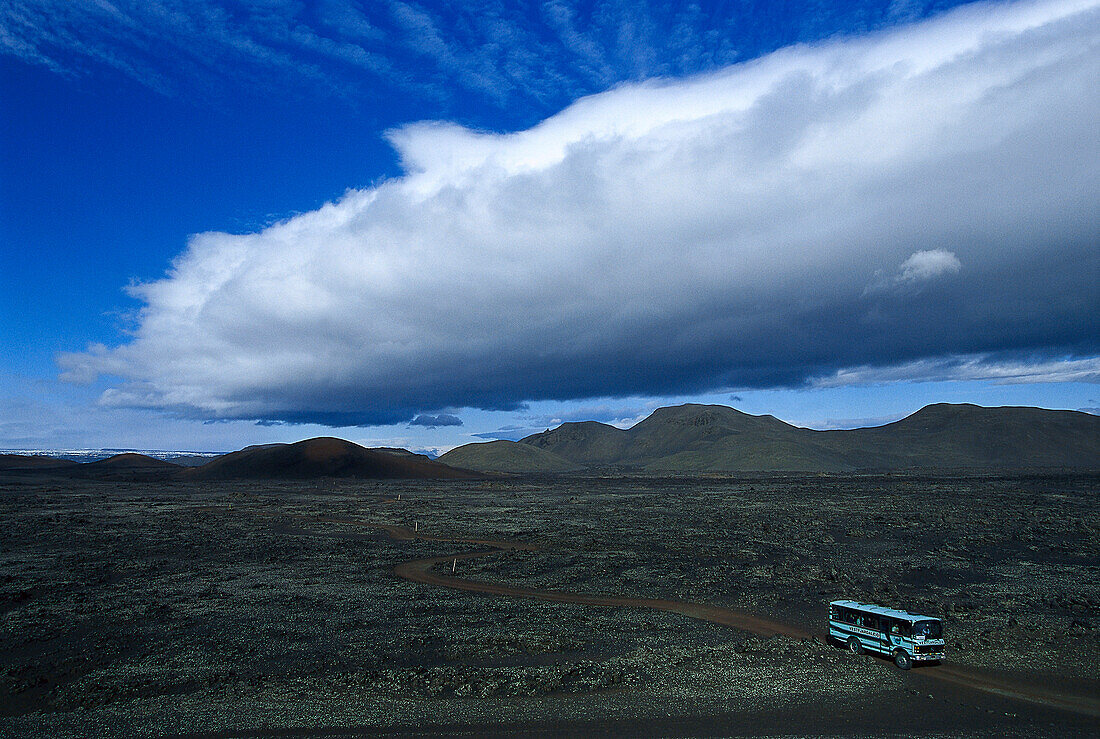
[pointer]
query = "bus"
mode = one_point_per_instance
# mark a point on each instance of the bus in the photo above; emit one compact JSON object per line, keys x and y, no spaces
{"x":905,"y":637}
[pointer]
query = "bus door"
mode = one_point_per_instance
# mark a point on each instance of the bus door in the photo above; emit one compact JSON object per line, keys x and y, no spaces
{"x":887,"y":629}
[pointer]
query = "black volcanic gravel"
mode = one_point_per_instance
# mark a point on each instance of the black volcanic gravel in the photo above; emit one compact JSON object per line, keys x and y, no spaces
{"x":167,"y":608}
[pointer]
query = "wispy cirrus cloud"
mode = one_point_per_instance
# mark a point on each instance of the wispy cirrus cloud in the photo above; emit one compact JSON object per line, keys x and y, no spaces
{"x":672,"y":237}
{"x":504,"y":54}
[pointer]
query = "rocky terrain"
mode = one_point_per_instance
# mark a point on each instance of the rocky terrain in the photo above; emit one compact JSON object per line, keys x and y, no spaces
{"x":237,"y":607}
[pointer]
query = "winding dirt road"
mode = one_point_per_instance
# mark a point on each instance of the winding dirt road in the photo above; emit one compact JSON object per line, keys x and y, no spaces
{"x":424,"y":571}
{"x":420,"y":570}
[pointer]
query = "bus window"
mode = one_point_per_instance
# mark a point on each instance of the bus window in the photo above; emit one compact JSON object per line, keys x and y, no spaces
{"x":928,"y":629}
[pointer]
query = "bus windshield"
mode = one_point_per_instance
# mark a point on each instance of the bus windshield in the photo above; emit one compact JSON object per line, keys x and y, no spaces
{"x":928,"y":629}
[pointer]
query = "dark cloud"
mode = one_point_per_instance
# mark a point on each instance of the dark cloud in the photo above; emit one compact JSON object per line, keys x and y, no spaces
{"x":443,"y":419}
{"x":919,"y":205}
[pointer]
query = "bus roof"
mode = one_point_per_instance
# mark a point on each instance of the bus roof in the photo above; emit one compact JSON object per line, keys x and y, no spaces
{"x":883,"y":610}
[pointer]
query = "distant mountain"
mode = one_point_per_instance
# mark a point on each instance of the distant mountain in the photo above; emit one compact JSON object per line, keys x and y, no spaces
{"x":714,"y":438}
{"x":9,"y":462}
{"x":190,"y":460}
{"x":324,"y":457}
{"x":130,"y":461}
{"x":584,"y":443}
{"x":973,"y":436}
{"x":127,"y":466}
{"x":689,"y":438}
{"x":397,"y":451}
{"x":508,"y":456}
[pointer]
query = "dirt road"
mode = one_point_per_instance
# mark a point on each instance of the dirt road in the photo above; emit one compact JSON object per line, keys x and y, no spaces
{"x":425,"y":571}
{"x":422,"y":571}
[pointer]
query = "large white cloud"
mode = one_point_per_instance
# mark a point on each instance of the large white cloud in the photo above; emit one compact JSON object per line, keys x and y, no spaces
{"x":671,"y":236}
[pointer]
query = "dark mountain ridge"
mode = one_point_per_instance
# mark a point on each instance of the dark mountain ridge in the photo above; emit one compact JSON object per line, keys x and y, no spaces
{"x":33,"y":462}
{"x":126,"y":466}
{"x":312,"y":458}
{"x":714,"y":438}
{"x":130,"y":460}
{"x":968,"y":435}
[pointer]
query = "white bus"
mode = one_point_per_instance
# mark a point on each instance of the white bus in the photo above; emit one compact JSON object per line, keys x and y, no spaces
{"x":903,"y":636}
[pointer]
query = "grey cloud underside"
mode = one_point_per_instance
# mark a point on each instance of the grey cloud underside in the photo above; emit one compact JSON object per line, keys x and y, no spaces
{"x":902,"y":201}
{"x":443,"y":419}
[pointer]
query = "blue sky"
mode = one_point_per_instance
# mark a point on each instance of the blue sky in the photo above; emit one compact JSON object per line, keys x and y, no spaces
{"x":405,"y":223}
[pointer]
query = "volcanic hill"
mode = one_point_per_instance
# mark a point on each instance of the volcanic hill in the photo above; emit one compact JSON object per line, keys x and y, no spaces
{"x":130,"y":461}
{"x":324,"y":457}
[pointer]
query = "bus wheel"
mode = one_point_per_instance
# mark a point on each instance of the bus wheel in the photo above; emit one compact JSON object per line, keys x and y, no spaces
{"x":854,"y":646}
{"x":902,"y":660}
